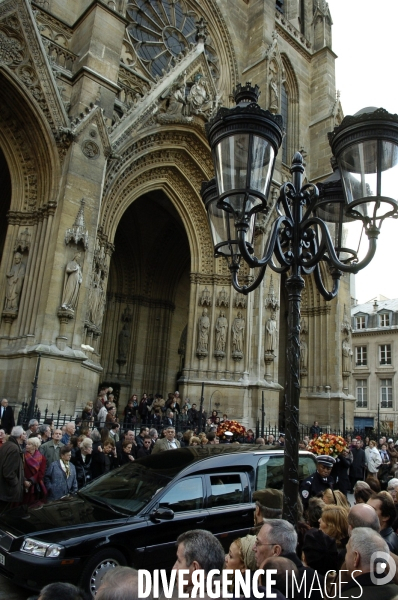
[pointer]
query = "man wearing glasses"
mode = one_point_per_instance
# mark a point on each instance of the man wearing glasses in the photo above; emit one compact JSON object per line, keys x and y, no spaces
{"x":320,"y":480}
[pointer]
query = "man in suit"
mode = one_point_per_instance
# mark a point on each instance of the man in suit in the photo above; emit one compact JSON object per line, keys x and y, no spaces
{"x":6,"y":416}
{"x":168,"y":442}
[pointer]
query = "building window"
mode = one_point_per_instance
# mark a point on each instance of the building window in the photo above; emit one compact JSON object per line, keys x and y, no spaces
{"x":279,"y":6}
{"x":385,"y":354}
{"x":361,"y":357}
{"x":385,"y":393}
{"x":360,"y":322}
{"x":384,"y":320}
{"x":362,"y":393}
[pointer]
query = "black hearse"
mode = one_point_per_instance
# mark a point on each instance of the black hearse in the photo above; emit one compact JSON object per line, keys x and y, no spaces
{"x":133,"y":515}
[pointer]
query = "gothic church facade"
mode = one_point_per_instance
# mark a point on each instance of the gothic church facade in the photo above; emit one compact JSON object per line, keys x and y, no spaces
{"x":107,"y":268}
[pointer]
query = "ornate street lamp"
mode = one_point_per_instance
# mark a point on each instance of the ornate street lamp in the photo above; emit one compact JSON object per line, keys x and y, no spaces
{"x":309,"y":230}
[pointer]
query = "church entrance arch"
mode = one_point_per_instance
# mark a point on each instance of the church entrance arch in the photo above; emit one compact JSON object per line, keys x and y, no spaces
{"x":147,"y":297}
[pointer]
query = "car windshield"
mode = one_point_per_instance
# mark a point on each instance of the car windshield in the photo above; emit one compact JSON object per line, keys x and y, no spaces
{"x":129,"y":488}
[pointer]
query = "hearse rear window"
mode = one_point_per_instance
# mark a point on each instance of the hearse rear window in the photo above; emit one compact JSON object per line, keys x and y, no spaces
{"x":270,"y":471}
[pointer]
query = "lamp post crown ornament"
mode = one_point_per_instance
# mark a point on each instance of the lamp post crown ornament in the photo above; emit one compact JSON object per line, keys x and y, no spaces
{"x":246,"y":93}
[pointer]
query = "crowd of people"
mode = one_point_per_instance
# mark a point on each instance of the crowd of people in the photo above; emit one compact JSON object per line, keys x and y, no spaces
{"x":332,"y":538}
{"x":330,"y":553}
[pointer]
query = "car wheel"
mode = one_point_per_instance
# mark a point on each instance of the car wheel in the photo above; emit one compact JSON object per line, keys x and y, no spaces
{"x":97,"y":566}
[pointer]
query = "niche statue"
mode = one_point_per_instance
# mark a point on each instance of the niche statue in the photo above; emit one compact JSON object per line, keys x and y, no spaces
{"x":203,"y":334}
{"x":238,"y":329}
{"x":271,"y":334}
{"x":73,"y":280}
{"x":14,"y":284}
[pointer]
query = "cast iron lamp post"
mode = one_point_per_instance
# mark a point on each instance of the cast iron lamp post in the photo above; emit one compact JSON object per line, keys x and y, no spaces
{"x":308,"y":235}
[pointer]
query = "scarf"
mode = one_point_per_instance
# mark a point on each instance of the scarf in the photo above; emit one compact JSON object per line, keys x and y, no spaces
{"x":34,"y":461}
{"x":65,"y":467}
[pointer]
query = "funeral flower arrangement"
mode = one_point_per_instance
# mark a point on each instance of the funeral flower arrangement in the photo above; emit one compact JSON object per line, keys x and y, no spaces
{"x":327,"y":443}
{"x":233,"y":426}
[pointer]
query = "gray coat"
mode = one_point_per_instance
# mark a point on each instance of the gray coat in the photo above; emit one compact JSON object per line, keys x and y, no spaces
{"x":11,"y":471}
{"x":162,"y":445}
{"x":56,"y":482}
{"x":51,"y":452}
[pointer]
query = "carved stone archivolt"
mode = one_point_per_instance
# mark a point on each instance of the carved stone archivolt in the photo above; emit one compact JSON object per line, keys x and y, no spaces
{"x":22,"y":53}
{"x":195,"y":147}
{"x":180,"y":176}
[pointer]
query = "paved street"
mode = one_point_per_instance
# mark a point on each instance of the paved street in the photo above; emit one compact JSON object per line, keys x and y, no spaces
{"x":10,"y":591}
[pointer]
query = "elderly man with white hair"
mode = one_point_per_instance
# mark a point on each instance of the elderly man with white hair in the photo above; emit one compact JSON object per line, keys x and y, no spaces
{"x":70,"y":429}
{"x":12,"y":469}
{"x":370,"y":567}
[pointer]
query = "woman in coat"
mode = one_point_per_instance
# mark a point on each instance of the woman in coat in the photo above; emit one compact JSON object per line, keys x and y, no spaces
{"x":60,"y":479}
{"x":34,"y":470}
{"x":340,"y":471}
{"x":105,"y":458}
{"x":373,"y":459}
{"x":83,"y":462}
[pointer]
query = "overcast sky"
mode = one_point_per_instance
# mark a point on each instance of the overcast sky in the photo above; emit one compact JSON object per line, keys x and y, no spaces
{"x":364,"y":35}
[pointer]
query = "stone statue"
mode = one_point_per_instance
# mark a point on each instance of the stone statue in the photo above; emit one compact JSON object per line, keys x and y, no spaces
{"x":203,"y":334}
{"x":271,"y":332}
{"x":303,"y":354}
{"x":238,"y":329}
{"x":124,"y":342}
{"x":198,"y":98}
{"x":273,"y":96}
{"x":73,"y":273}
{"x":347,"y":355}
{"x":14,"y":284}
{"x":221,"y":332}
{"x":99,"y":304}
{"x":92,"y":297}
{"x":176,"y":103}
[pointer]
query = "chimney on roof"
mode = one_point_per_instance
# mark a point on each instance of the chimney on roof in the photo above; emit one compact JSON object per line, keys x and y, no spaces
{"x":375,"y":305}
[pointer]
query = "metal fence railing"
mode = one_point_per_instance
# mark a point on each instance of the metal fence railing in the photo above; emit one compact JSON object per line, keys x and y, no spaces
{"x":182,"y":425}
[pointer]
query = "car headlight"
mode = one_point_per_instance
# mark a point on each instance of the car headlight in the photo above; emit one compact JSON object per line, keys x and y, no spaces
{"x":38,"y":548}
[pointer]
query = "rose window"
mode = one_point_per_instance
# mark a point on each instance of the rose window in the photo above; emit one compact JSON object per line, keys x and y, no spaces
{"x":160,"y":31}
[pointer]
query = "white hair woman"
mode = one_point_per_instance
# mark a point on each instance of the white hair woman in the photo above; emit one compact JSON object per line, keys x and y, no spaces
{"x":34,"y":470}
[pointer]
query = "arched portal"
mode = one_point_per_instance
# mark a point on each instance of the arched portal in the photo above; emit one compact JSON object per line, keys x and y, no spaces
{"x":5,"y":186}
{"x":148,"y":297}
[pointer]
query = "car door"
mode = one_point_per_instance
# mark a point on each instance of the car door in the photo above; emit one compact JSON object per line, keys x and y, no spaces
{"x":229,"y":506}
{"x":186,"y":499}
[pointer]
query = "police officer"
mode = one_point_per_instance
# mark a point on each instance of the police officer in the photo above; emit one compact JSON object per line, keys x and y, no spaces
{"x":319,"y":481}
